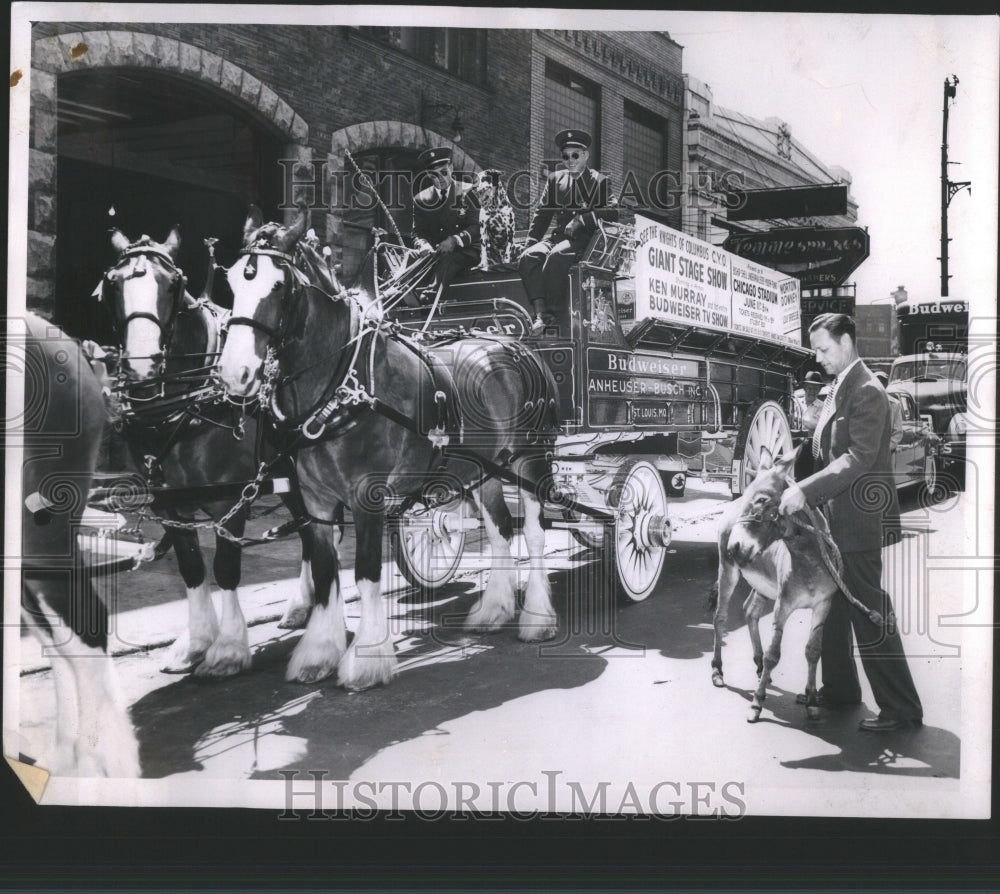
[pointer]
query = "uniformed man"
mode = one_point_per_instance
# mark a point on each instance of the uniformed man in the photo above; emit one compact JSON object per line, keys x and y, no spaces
{"x":446,"y":218}
{"x":811,"y":403}
{"x":575,"y":199}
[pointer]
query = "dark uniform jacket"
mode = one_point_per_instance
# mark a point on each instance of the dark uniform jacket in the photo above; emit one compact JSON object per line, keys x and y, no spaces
{"x":565,"y":198}
{"x":435,"y":220}
{"x":856,"y":481}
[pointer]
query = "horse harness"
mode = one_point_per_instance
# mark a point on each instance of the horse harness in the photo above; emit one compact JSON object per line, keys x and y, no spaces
{"x":143,"y":249}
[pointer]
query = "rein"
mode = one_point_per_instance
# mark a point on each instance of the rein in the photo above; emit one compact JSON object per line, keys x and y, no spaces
{"x":828,"y":549}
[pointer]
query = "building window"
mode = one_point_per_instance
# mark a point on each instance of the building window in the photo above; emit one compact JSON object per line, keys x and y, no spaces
{"x":571,"y":102}
{"x":645,"y":153}
{"x":462,"y":51}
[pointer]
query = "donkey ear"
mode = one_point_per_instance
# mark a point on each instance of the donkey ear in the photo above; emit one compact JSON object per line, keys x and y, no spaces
{"x":254,"y":221}
{"x":173,"y":243}
{"x":119,"y":240}
{"x":785,"y":464}
{"x":766,"y":460}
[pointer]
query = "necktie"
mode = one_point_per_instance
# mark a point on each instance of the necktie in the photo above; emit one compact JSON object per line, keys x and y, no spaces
{"x":824,"y":417}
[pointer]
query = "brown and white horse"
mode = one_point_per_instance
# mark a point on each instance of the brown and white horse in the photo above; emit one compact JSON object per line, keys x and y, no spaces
{"x":783,"y":564}
{"x":61,"y":430}
{"x":170,"y":343}
{"x":364,"y":404}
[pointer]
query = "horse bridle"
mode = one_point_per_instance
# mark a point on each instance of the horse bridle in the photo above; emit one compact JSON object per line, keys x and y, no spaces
{"x":343,"y":370}
{"x":287,"y":265}
{"x":144,"y":249}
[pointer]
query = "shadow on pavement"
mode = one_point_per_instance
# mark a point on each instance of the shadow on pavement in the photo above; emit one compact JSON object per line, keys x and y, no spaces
{"x":444,"y":675}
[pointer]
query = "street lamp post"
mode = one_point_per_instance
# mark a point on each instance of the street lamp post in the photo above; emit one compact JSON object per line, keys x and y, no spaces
{"x":948,"y":188}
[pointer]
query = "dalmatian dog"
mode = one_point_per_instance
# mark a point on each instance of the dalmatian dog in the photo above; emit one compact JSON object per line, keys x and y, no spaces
{"x":496,"y":221}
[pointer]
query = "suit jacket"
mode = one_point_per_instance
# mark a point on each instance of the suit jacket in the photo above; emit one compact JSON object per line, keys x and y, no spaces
{"x":458,"y":215}
{"x":855,"y":479}
{"x":564,"y":198}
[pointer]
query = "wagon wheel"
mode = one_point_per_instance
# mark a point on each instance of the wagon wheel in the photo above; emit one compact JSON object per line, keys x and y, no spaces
{"x":427,"y":544}
{"x":929,"y":484}
{"x":765,"y":432}
{"x":641,"y":528}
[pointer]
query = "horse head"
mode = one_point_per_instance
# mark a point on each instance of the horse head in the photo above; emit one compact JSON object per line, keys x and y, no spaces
{"x":760,"y":522}
{"x":260,"y":281}
{"x":144,"y":290}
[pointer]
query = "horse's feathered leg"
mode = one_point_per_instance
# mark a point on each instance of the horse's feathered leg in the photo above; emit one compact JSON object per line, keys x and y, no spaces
{"x":325,"y":640}
{"x":190,"y":647}
{"x":230,"y":653}
{"x":498,"y":603}
{"x":729,"y":575}
{"x":371,"y":658}
{"x":538,"y":619}
{"x":93,"y":733}
{"x":782,"y":610}
{"x":300,"y":602}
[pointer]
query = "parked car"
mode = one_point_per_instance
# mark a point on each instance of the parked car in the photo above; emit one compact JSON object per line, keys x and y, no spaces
{"x":915,"y":460}
{"x":936,"y":382}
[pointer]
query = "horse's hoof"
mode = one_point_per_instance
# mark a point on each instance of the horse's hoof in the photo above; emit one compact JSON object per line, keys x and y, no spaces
{"x":295,"y":619}
{"x":533,"y":634}
{"x":224,"y":659}
{"x":717,"y":679}
{"x":183,"y":659}
{"x":753,"y":715}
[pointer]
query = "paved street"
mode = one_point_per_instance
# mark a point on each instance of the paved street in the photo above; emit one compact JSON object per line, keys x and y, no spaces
{"x":622,"y":697}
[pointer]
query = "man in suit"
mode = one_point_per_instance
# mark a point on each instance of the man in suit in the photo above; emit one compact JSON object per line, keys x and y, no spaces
{"x":853,"y":478}
{"x":573,"y":202}
{"x":446,"y":218}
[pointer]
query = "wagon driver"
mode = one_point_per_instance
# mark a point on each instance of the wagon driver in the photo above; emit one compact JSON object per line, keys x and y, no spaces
{"x":446,"y":218}
{"x":850,"y":451}
{"x":574,"y":200}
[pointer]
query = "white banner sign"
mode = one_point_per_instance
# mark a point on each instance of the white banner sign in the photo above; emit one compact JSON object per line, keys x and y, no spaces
{"x":684,"y":280}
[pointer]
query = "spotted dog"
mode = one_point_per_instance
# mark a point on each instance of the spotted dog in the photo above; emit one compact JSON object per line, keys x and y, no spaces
{"x":496,"y":219}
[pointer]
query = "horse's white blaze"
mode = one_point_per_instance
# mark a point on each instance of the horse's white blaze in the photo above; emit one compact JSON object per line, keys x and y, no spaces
{"x":230,"y":653}
{"x":322,"y":645}
{"x":371,"y":659}
{"x":203,"y":629}
{"x":538,"y":619}
{"x":142,"y":336}
{"x":498,"y":603}
{"x":239,"y":364}
{"x":301,"y":601}
{"x":93,"y":734}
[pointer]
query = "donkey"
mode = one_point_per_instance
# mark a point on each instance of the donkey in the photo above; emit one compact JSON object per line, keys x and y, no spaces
{"x":366,"y":407}
{"x":61,"y":431}
{"x":783,"y":564}
{"x":179,"y":427}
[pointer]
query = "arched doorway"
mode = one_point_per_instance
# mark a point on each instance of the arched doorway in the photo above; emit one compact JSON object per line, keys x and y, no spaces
{"x":160,"y":150}
{"x":387,"y":152}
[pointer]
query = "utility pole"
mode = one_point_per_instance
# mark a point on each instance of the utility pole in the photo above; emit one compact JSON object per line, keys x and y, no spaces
{"x":948,"y":188}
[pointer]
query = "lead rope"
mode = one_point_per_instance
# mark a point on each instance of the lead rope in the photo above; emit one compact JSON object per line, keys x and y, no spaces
{"x":833,"y":560}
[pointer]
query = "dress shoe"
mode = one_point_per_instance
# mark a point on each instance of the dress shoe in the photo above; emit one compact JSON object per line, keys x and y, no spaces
{"x":889,"y":724}
{"x":542,"y":321}
{"x":825,"y":701}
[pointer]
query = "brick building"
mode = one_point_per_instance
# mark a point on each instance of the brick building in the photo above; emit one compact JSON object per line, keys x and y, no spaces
{"x":720,"y":142}
{"x":143,"y":125}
